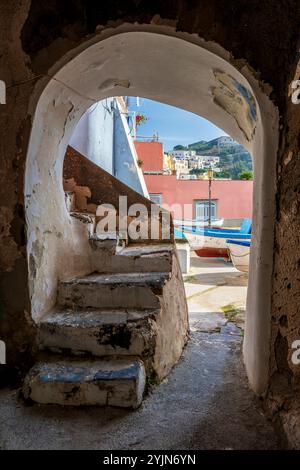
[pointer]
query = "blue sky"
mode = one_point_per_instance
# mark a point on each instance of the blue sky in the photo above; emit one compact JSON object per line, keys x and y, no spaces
{"x":173,"y":125}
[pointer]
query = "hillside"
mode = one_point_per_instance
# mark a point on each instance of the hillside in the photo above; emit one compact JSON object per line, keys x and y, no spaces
{"x":234,"y":158}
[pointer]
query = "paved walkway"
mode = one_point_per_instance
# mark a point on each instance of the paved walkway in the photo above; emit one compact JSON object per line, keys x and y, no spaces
{"x":205,"y":403}
{"x":216,"y":294}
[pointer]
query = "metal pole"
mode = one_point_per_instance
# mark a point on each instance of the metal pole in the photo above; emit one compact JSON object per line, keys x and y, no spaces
{"x":209,"y":203}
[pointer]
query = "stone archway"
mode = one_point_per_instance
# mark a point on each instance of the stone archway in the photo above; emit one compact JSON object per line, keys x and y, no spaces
{"x":200,"y":79}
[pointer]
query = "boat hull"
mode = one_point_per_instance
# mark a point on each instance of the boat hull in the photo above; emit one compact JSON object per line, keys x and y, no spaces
{"x":212,"y":253}
{"x":240,"y":256}
{"x":207,"y":246}
{"x":198,"y":223}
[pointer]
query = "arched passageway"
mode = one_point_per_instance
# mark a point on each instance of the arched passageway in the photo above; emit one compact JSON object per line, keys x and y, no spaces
{"x":199,"y":78}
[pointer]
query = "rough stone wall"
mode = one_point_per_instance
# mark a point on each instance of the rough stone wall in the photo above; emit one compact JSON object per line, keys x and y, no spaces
{"x":103,"y":187}
{"x":16,"y":328}
{"x":262,"y":33}
{"x":34,"y":35}
{"x":285,"y":375}
{"x":94,"y":186}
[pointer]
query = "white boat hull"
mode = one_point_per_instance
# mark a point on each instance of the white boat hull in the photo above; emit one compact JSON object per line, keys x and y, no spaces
{"x":198,"y":241}
{"x":240,"y":256}
{"x":198,"y":223}
{"x":207,"y":247}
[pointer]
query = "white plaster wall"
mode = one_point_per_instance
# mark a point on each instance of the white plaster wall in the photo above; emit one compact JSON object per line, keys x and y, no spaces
{"x":126,"y":168}
{"x":57,"y":246}
{"x":258,"y":319}
{"x":93,"y":135}
{"x":103,"y":135}
{"x":137,"y":63}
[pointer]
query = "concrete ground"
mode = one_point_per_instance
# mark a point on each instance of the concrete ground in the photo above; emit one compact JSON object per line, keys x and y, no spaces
{"x":205,"y":403}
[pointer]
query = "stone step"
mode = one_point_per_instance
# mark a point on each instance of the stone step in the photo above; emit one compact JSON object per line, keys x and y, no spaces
{"x":113,"y":382}
{"x":147,"y":258}
{"x":89,"y":219}
{"x":135,"y":258}
{"x":102,"y":248}
{"x":111,"y":245}
{"x":145,"y":251}
{"x":85,"y":217}
{"x":100,"y":333}
{"x":122,"y":290}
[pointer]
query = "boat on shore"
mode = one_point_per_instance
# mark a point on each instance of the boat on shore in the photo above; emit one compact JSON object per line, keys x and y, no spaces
{"x":211,"y":242}
{"x":239,"y":251}
{"x":198,"y":223}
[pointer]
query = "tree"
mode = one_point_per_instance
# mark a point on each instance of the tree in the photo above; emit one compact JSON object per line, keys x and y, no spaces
{"x":222,"y":174}
{"x":200,"y":146}
{"x":246,"y":175}
{"x":179,"y":147}
{"x":197,"y":171}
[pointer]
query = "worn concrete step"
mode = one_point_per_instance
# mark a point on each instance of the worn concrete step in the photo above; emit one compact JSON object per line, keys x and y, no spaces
{"x":102,"y":247}
{"x":111,"y":244}
{"x":148,"y":258}
{"x":125,"y":290}
{"x":89,"y":219}
{"x":146,"y":250}
{"x":85,"y":217}
{"x":135,"y":258}
{"x":100,"y":333}
{"x":113,"y":382}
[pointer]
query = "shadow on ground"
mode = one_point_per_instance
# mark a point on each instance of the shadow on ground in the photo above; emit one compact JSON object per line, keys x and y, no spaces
{"x":204,"y":404}
{"x":229,"y":279}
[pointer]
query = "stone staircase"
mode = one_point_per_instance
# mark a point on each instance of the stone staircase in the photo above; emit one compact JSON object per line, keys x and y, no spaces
{"x":111,"y":330}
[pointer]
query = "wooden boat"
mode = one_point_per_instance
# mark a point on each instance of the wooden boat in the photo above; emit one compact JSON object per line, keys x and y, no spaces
{"x":211,"y":243}
{"x":198,"y":223}
{"x":239,"y":254}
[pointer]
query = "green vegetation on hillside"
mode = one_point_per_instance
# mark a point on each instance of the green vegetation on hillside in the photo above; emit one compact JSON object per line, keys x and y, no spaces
{"x":197,"y":171}
{"x":246,"y":175}
{"x":235,"y":160}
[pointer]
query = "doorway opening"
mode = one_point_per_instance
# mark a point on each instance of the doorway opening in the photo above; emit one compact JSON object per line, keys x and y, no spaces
{"x":197,"y":173}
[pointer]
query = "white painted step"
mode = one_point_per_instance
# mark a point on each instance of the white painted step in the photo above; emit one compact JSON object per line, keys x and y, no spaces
{"x":99,"y":247}
{"x":86,"y":218}
{"x":134,"y":258}
{"x":112,"y":244}
{"x":100,"y":291}
{"x":114,"y":382}
{"x":138,"y":259}
{"x":100,"y":333}
{"x":146,"y":251}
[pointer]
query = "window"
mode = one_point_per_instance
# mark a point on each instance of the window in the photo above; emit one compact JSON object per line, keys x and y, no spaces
{"x":202,"y":209}
{"x":157,"y":198}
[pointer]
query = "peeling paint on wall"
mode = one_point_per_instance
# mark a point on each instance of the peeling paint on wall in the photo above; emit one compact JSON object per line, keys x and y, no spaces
{"x":237,"y":101}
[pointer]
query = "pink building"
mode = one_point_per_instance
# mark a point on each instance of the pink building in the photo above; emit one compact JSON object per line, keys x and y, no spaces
{"x":188,"y":199}
{"x":151,"y":154}
{"x":231,"y":199}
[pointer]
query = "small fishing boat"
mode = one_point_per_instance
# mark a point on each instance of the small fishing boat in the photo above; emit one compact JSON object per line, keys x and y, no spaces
{"x":198,"y":223}
{"x":239,"y":254}
{"x":211,"y":242}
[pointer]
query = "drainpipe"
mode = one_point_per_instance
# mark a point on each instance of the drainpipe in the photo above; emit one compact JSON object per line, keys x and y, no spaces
{"x":114,"y":110}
